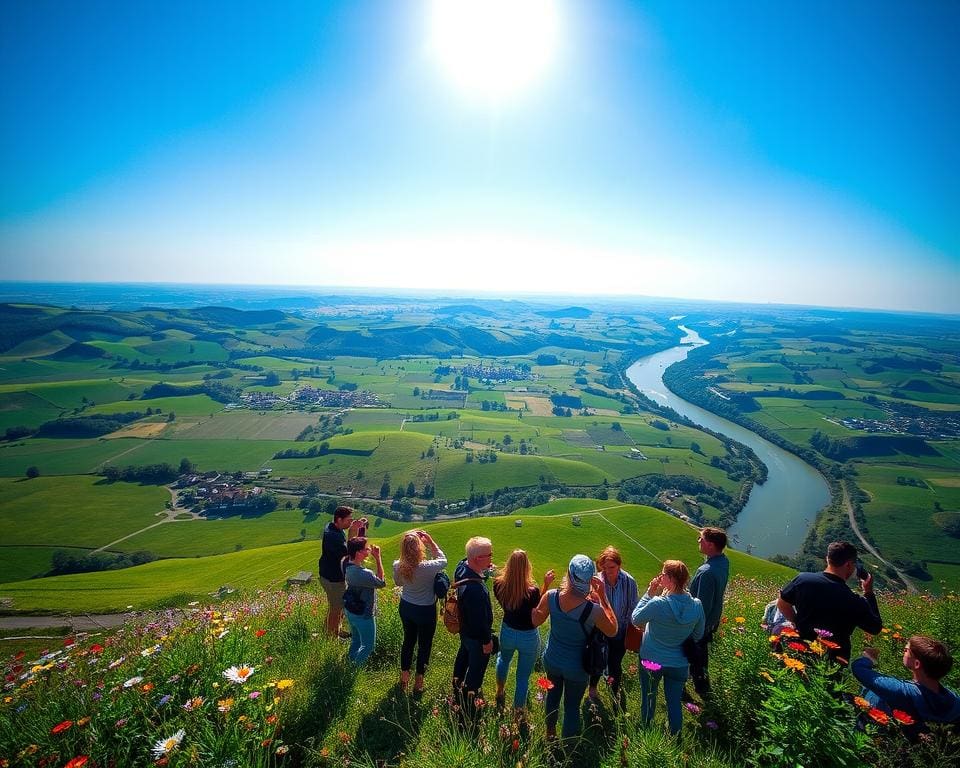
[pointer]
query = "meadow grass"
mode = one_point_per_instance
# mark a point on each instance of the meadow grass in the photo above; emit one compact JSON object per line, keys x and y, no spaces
{"x":25,"y":409}
{"x":186,"y":406}
{"x":251,"y":425}
{"x":63,"y":456}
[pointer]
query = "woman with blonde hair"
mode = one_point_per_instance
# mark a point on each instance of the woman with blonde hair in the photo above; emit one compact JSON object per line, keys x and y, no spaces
{"x":518,"y":594}
{"x":418,"y":603}
{"x":671,"y":616}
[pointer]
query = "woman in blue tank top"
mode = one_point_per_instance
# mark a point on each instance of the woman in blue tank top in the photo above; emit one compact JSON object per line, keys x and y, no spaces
{"x":563,"y":656}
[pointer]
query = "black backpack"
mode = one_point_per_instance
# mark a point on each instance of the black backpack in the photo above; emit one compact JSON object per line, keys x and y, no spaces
{"x":596,"y":651}
{"x":441,"y":585}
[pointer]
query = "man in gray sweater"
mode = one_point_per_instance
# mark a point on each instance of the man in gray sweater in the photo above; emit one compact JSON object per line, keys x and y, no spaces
{"x":708,"y":586}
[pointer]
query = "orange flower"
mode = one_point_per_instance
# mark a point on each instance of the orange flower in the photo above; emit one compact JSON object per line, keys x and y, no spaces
{"x":344,"y":737}
{"x":862,"y":702}
{"x":61,"y":727}
{"x":260,"y":632}
{"x":77,"y":762}
{"x":788,"y":632}
{"x":879,"y":716}
{"x":544,"y":684}
{"x":738,"y":653}
{"x":902,"y":717}
{"x":789,"y":663}
{"x":829,"y":644}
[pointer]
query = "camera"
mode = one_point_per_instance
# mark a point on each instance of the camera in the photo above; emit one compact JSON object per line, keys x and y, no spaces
{"x":862,"y":571}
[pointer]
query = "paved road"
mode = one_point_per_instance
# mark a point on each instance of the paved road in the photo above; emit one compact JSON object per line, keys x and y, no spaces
{"x":911,"y":587}
{"x":84,"y":623}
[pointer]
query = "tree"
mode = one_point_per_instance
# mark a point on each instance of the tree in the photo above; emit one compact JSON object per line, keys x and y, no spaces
{"x":507,"y":439}
{"x":416,"y":391}
{"x":385,"y":488}
{"x":33,"y":472}
{"x":272,"y":379}
{"x":411,"y":489}
{"x":186,"y":467}
{"x":616,"y":427}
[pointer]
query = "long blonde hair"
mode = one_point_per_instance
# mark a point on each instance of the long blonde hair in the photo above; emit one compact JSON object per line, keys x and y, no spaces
{"x":513,"y":584}
{"x":411,"y":553}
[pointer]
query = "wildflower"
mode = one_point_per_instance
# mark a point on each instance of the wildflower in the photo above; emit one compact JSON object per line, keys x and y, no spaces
{"x":120,"y":723}
{"x":795,"y":646}
{"x":829,"y":644}
{"x":515,"y":745}
{"x":195,"y":703}
{"x":818,"y":648}
{"x":146,"y":687}
{"x":96,"y":648}
{"x":239,"y":674}
{"x":282,"y":685}
{"x":789,"y":663}
{"x":738,"y":653}
{"x":504,"y":732}
{"x":740,"y":620}
{"x":862,"y":702}
{"x":766,"y":675}
{"x":711,"y":725}
{"x":165,"y":699}
{"x":692,"y":708}
{"x":116,"y":662}
{"x":822,"y":633}
{"x":271,"y":719}
{"x":254,"y":695}
{"x":61,"y":727}
{"x":902,"y":717}
{"x":344,"y":737}
{"x":878,"y":716}
{"x":83,"y":721}
{"x":133,"y":681}
{"x":650,"y":666}
{"x":167,"y":745}
{"x":788,"y":632}
{"x":632,"y":669}
{"x":77,"y":762}
{"x":266,"y":742}
{"x":260,"y":633}
{"x":282,"y":750}
{"x":224,"y":705}
{"x":544,"y":684}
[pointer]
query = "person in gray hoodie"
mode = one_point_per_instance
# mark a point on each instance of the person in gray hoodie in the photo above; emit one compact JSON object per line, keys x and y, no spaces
{"x":670,"y":618}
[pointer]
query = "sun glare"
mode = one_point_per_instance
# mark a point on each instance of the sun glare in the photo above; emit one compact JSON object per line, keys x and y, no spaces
{"x":493,"y":50}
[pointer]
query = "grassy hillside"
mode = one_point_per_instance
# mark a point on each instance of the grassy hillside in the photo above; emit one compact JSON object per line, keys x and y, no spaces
{"x":645,"y":536}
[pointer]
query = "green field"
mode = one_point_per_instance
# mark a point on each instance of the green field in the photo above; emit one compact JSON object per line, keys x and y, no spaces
{"x":251,"y":425}
{"x":644,"y":536}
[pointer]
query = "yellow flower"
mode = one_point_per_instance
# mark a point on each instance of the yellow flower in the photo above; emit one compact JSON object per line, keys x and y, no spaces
{"x":789,"y":663}
{"x":766,"y":675}
{"x":224,"y":705}
{"x":817,"y":648}
{"x":740,"y":620}
{"x":282,"y":685}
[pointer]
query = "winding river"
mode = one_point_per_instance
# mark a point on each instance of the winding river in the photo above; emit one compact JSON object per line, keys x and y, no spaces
{"x":778,"y":513}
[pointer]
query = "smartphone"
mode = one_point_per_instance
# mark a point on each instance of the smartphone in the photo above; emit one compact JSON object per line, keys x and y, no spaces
{"x":862,"y":571}
{"x":362,"y":530}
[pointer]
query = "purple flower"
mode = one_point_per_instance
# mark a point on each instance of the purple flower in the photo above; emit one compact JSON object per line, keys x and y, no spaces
{"x":823,"y":632}
{"x":692,"y":708}
{"x":711,"y":725}
{"x":164,"y":700}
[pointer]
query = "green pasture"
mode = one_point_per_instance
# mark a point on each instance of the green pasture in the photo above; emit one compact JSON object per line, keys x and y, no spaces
{"x":222,"y":455}
{"x":242,"y":424}
{"x":177,"y":350}
{"x":946,"y":576}
{"x":78,"y":511}
{"x":63,"y":457}
{"x":47,"y":344}
{"x":568,"y":507}
{"x":455,"y":477}
{"x":899,"y":518}
{"x":26,"y":562}
{"x":643,"y":535}
{"x":25,"y":409}
{"x":185,"y":406}
{"x":73,"y":394}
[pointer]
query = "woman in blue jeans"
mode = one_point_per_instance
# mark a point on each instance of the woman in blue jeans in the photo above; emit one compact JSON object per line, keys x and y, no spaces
{"x":518,"y":594}
{"x":671,"y":617}
{"x":359,"y":598}
{"x":581,"y":594}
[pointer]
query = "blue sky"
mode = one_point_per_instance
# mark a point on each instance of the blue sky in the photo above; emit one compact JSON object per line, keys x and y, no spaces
{"x":790,"y":152}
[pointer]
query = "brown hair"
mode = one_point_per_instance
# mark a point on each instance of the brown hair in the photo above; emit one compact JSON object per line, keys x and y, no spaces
{"x":610,"y":553}
{"x":341,"y":512}
{"x":513,"y":584}
{"x":841,"y":553}
{"x":411,"y":553}
{"x":716,"y":536}
{"x":677,"y":571}
{"x":933,"y":655}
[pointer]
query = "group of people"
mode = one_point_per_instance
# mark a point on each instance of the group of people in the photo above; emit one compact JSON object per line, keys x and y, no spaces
{"x":676,"y":615}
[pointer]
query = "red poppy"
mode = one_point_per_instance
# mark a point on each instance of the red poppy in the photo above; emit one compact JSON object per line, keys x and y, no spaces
{"x":902,"y":717}
{"x":797,"y":646}
{"x":879,"y":716}
{"x":260,"y":632}
{"x":96,"y":648}
{"x":77,"y":762}
{"x":61,"y":727}
{"x":544,"y":684}
{"x":516,"y":745}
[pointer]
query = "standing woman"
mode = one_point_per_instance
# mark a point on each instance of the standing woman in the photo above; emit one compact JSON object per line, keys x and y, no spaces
{"x":518,"y":594}
{"x":359,"y":597}
{"x":418,"y":602}
{"x":563,"y":657}
{"x":622,"y":594}
{"x":671,"y":618}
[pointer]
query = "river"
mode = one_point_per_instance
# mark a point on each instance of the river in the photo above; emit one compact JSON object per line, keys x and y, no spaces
{"x":778,"y":513}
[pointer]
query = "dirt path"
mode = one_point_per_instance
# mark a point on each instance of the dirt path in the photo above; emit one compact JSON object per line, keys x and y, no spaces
{"x":170,"y":515}
{"x":868,"y":546}
{"x":86,"y":623}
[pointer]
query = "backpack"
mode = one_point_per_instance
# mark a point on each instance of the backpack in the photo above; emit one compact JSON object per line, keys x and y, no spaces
{"x":352,"y":601}
{"x":597,"y":650}
{"x":451,"y":606}
{"x":441,"y":585}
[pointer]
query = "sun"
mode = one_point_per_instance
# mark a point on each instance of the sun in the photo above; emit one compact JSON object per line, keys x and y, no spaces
{"x":493,"y":50}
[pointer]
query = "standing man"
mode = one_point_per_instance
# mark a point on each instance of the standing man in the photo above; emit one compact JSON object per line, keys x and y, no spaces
{"x":823,"y":600}
{"x":333,"y":550}
{"x":476,"y":620}
{"x":708,"y":586}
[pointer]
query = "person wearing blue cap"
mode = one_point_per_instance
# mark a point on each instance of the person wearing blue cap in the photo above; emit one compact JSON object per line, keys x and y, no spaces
{"x":581,"y":594}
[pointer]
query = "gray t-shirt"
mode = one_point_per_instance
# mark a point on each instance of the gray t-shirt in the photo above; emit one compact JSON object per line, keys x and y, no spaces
{"x":363,"y":582}
{"x":419,"y":589}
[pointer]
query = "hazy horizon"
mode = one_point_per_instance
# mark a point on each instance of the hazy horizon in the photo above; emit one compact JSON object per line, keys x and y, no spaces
{"x":802,"y":154}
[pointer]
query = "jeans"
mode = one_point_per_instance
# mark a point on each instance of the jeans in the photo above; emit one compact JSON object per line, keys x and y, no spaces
{"x":419,"y":625}
{"x":698,"y":668}
{"x":673,"y":682}
{"x":470,"y":665}
{"x":526,"y":642}
{"x":363,"y":635}
{"x":572,"y":692}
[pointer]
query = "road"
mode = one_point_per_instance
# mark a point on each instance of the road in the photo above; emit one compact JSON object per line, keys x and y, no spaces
{"x":911,"y":587}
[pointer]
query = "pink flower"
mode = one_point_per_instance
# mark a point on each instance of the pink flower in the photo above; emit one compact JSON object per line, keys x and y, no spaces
{"x":692,"y":708}
{"x":650,"y":666}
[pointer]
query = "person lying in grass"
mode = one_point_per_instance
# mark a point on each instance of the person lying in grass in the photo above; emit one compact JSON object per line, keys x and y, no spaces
{"x":912,"y":702}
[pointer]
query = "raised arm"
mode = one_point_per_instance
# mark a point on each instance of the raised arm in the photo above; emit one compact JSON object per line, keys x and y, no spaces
{"x":607,"y":621}
{"x":542,"y":610}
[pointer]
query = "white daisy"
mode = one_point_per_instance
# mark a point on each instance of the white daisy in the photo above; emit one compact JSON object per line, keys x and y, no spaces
{"x":239,"y":674}
{"x":166,"y":746}
{"x":133,"y":681}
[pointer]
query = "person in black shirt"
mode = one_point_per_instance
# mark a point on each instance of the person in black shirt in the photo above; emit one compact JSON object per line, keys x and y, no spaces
{"x":823,"y":601}
{"x":333,"y":549}
{"x":476,"y":620}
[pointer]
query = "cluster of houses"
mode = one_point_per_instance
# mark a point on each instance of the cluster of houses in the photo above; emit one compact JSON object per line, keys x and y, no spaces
{"x":307,"y":395}
{"x":936,"y":426}
{"x":215,"y":490}
{"x":497,"y":374}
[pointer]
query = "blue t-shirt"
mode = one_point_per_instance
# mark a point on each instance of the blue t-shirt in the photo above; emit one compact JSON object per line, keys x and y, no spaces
{"x":566,"y":641}
{"x":363,"y":582}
